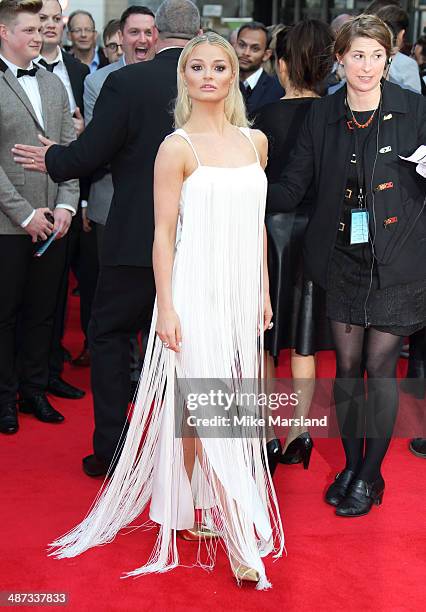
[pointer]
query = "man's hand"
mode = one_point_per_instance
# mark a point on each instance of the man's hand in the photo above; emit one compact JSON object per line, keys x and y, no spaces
{"x":30,"y":157}
{"x":39,"y":227}
{"x":86,"y":221}
{"x":62,"y":221}
{"x":78,"y":121}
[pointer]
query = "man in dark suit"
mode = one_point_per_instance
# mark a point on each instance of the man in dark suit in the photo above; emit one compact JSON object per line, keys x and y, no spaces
{"x":32,"y":102}
{"x":135,"y":103}
{"x":257,"y":87}
{"x":72,"y":73}
{"x":83,"y":36}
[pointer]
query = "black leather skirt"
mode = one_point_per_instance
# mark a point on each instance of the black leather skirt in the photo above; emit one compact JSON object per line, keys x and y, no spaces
{"x":298,"y":304}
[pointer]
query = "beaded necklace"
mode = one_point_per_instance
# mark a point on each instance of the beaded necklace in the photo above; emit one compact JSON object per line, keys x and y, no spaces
{"x":369,"y":120}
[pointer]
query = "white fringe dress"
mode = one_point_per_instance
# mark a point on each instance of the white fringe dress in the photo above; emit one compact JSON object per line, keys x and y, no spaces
{"x":218,"y":296}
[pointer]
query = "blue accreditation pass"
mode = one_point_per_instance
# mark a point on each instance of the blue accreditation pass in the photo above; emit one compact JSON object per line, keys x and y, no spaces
{"x":359,"y":226}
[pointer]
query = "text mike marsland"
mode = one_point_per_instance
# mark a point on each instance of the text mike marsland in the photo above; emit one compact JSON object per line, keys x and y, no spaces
{"x":254,"y":421}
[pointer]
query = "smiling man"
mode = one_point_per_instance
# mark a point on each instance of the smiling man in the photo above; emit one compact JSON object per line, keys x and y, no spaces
{"x":32,"y":102}
{"x":138,"y":36}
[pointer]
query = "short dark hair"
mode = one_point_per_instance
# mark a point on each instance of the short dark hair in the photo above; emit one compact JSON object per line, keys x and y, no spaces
{"x":134,"y":10}
{"x":80,"y":12}
{"x":254,"y":26}
{"x":395,"y":17}
{"x":364,"y":26}
{"x":10,"y":9}
{"x":111,"y":28}
{"x":307,"y":49}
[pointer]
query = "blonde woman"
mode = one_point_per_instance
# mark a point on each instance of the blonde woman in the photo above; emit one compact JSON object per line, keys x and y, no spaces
{"x":212,"y":304}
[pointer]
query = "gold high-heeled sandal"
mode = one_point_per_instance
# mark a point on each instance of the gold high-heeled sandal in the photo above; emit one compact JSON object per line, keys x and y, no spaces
{"x":243,"y":572}
{"x":198,"y":532}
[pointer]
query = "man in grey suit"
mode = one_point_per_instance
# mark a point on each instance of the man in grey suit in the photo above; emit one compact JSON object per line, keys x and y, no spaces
{"x":32,"y":102}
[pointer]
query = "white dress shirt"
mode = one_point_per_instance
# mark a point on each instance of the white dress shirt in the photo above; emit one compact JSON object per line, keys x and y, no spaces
{"x":253,"y":79}
{"x":61,"y":71}
{"x":30,"y":86}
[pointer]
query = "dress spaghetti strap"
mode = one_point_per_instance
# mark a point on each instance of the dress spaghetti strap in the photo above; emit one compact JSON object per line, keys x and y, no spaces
{"x":246,"y":132}
{"x":181,"y":132}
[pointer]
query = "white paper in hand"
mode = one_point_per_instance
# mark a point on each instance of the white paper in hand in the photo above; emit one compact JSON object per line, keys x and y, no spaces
{"x":419,"y":158}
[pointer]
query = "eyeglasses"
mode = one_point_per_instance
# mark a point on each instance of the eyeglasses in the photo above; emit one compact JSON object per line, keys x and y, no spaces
{"x":113,"y":47}
{"x":79,"y":31}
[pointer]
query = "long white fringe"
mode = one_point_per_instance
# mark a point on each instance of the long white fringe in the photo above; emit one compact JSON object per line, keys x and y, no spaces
{"x":218,"y":294}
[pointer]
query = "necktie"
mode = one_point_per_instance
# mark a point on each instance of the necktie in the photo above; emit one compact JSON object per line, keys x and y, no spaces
{"x":31,"y":72}
{"x":247,"y":92}
{"x":49,"y":67}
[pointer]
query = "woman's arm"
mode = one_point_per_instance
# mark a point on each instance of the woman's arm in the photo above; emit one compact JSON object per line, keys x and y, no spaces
{"x":261,"y":143}
{"x":267,"y":308}
{"x":168,"y":179}
{"x":297,"y":175}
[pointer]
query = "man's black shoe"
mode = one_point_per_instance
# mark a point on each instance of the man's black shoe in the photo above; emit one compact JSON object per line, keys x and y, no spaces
{"x":60,"y":388}
{"x":39,"y":406}
{"x":418,"y":447}
{"x":94,"y":466}
{"x":8,"y":418}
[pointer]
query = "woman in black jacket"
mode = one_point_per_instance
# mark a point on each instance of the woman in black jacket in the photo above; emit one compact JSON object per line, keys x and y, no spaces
{"x":365,"y":243}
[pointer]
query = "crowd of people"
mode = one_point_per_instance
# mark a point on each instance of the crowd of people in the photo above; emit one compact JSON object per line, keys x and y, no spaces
{"x":201,"y":190}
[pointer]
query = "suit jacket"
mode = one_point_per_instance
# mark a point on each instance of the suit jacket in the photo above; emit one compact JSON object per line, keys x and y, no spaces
{"x":103,"y":60}
{"x":404,"y":71}
{"x":101,"y":189}
{"x":93,"y":85}
{"x":132,"y":116}
{"x":267,"y":90}
{"x":21,"y":191}
{"x":77,"y":72}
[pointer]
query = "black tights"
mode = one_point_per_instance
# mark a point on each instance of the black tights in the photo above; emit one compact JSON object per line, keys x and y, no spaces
{"x":359,"y":417}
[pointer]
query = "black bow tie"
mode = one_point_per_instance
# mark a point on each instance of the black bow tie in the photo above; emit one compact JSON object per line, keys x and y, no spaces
{"x":49,"y":67}
{"x":31,"y":72}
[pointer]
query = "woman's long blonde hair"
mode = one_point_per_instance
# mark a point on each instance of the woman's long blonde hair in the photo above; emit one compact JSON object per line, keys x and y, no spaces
{"x":234,"y":104}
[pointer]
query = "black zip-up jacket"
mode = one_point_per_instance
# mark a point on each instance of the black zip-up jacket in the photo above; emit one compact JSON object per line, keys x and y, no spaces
{"x":395,"y":191}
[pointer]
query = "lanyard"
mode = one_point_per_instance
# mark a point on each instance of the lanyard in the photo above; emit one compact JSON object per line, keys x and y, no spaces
{"x":359,"y":169}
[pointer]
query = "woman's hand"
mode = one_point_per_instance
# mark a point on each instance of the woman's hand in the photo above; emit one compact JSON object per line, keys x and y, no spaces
{"x":168,"y":330}
{"x":267,"y":312}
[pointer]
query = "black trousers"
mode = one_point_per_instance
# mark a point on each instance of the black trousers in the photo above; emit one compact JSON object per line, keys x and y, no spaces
{"x":85,"y":244}
{"x":28,"y":295}
{"x":122,"y":307}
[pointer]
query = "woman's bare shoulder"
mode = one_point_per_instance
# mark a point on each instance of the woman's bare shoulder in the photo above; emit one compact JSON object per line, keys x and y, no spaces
{"x":259,"y":138}
{"x":173,"y":145}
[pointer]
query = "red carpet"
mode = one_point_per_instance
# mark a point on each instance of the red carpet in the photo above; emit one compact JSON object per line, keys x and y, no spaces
{"x":375,"y":562}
